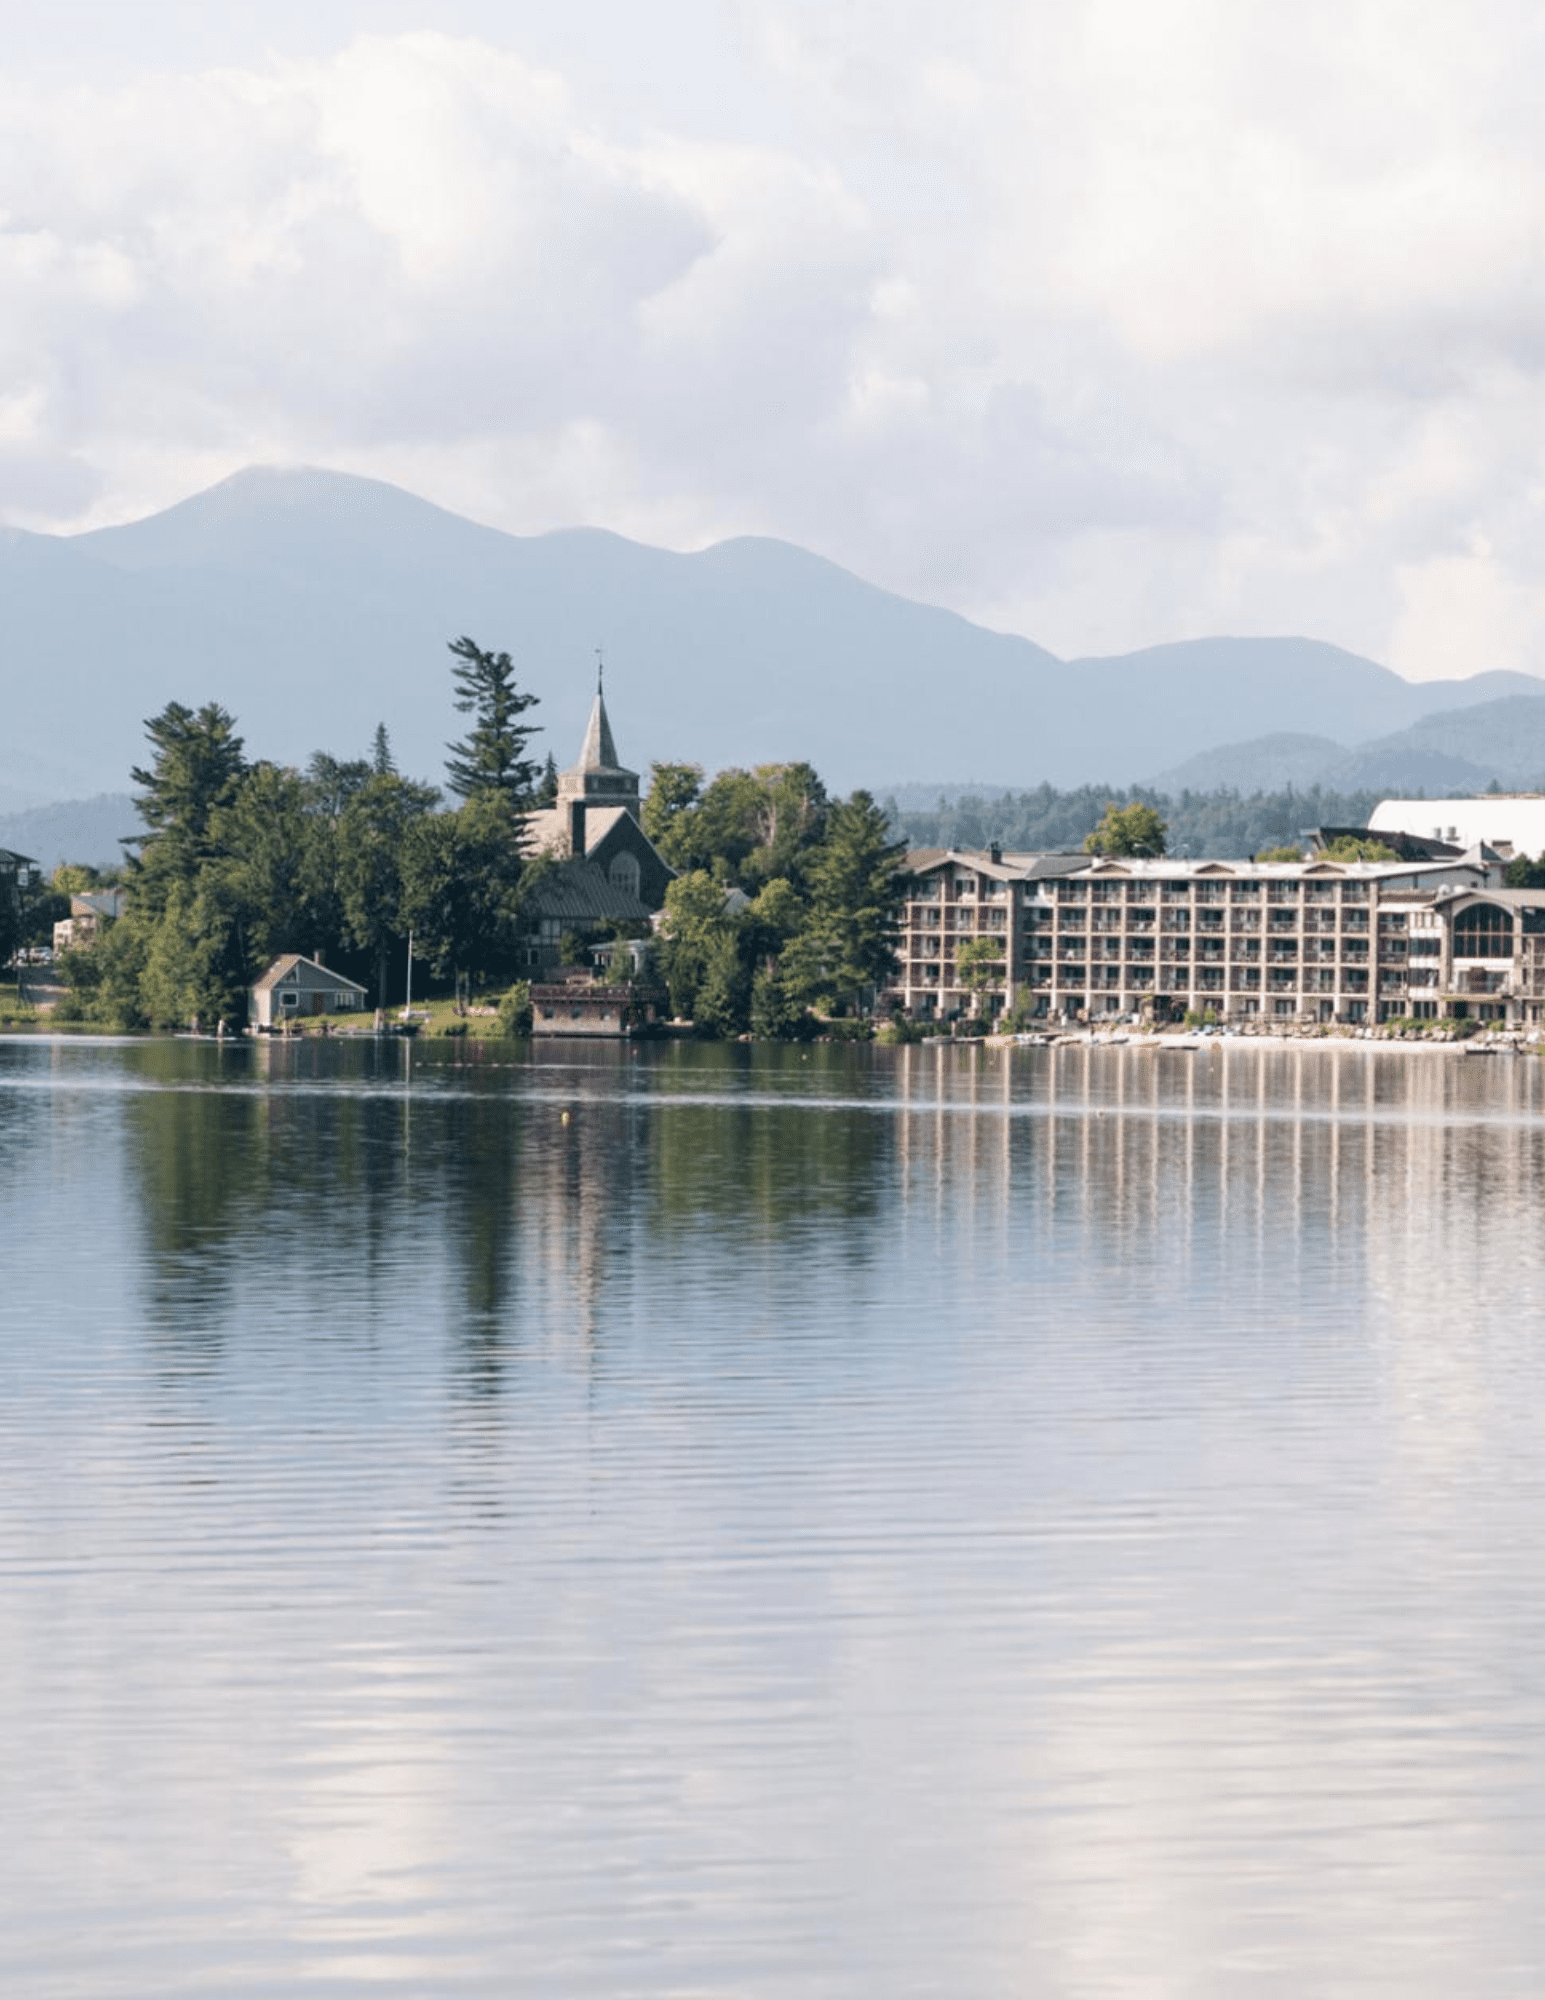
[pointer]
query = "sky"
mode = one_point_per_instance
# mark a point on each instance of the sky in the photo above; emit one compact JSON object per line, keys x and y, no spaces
{"x":1108,"y":322}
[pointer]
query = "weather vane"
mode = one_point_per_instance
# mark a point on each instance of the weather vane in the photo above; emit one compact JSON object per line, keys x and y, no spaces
{"x":600,"y":669}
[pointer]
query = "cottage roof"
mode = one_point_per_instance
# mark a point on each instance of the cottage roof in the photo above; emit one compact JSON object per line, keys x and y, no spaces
{"x":293,"y":961}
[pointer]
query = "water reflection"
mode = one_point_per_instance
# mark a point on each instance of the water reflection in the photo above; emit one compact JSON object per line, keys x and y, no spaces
{"x":897,"y":1521}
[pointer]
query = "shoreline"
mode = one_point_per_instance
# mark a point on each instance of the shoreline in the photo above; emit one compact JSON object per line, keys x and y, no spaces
{"x":1188,"y":1042}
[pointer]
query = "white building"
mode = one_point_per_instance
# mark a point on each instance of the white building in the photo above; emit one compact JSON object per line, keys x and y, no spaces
{"x":1511,"y":822}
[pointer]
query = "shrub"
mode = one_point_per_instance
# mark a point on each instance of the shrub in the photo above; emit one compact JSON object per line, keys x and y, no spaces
{"x":514,"y":1016}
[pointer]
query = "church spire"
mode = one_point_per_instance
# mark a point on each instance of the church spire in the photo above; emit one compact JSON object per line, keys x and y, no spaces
{"x":598,"y":752}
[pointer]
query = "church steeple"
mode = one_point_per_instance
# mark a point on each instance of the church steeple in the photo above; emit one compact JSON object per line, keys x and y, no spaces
{"x":599,"y":778}
{"x":598,"y":752}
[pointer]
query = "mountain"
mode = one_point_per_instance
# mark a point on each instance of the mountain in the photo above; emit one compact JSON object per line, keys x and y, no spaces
{"x":1268,"y":764}
{"x":1456,"y":750}
{"x":88,"y":830}
{"x":1502,"y":739}
{"x":313,"y":604}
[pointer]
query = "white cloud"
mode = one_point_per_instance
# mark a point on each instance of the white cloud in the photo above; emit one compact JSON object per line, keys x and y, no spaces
{"x":1105,"y":321}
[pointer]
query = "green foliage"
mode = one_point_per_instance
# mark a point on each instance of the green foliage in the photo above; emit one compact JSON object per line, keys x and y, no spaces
{"x":1283,"y":853}
{"x":746,"y":828}
{"x":723,"y":1003}
{"x":32,"y":918}
{"x":1134,"y":829}
{"x":194,"y":774}
{"x":73,"y":878}
{"x":776,"y":1016}
{"x":856,"y":888}
{"x":491,"y":757}
{"x":515,"y":1015}
{"x":1224,"y":823}
{"x":374,"y":876}
{"x":825,"y":892}
{"x":463,"y":883}
{"x":697,"y":918}
{"x":1522,"y":873}
{"x":674,"y":790}
{"x":979,"y":966}
{"x":1350,"y":848}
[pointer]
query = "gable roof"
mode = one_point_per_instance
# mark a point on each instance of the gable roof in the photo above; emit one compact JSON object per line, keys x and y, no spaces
{"x":292,"y":961}
{"x":579,"y":890}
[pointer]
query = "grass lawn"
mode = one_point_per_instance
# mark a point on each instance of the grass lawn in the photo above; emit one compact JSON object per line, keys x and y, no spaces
{"x":436,"y":1016}
{"x":12,"y":1013}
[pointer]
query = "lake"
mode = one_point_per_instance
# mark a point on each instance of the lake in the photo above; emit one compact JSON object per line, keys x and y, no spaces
{"x":693,"y":1521}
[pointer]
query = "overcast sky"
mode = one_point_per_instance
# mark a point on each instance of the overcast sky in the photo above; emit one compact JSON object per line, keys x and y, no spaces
{"x":1105,"y":323}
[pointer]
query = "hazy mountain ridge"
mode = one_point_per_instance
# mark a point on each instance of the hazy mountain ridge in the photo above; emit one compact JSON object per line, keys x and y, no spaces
{"x":1456,"y":750}
{"x":89,"y":830}
{"x":315,"y":604}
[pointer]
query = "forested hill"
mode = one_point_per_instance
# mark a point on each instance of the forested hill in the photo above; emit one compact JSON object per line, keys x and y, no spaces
{"x":1221,"y":824}
{"x":313,"y":605}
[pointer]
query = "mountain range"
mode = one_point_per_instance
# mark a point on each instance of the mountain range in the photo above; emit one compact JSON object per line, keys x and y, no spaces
{"x":314,"y":604}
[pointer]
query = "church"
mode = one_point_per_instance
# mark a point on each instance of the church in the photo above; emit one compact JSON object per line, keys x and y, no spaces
{"x":609,"y":870}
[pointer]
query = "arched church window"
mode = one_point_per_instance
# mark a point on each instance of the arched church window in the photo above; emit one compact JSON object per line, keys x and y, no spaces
{"x":623,"y":873}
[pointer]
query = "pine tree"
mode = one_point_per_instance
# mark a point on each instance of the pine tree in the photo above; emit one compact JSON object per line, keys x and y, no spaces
{"x":856,"y":893}
{"x":492,"y":756}
{"x":195,"y":774}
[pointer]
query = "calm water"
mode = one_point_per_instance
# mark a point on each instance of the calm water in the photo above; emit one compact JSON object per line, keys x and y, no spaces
{"x":719,"y":1523}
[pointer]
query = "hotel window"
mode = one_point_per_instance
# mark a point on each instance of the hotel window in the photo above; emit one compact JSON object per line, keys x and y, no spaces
{"x":1483,"y":931}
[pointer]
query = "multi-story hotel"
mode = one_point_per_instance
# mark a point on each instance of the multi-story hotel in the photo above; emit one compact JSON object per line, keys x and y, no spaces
{"x":1079,"y":936}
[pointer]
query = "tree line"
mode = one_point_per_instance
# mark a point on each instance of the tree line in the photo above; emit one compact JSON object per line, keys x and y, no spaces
{"x":785,"y":899}
{"x":241,"y":860}
{"x":1222,"y":825}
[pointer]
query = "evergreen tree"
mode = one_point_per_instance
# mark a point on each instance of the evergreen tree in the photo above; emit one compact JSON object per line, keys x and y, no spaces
{"x":492,"y":756}
{"x":463,"y":880}
{"x":857,"y":887}
{"x":196,"y":770}
{"x":381,"y":753}
{"x":723,"y":1003}
{"x":696,"y":921}
{"x":776,"y":1015}
{"x":373,"y":836}
{"x":674,"y":791}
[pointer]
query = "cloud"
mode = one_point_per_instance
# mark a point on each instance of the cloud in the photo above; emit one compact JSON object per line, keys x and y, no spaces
{"x":1106,"y":322}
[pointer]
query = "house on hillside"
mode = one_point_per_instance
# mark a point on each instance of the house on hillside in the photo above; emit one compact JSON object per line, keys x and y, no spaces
{"x":295,"y":988}
{"x":609,"y":870}
{"x":88,"y":912}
